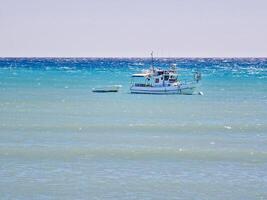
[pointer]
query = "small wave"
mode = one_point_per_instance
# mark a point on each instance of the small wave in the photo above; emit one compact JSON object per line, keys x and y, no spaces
{"x":146,"y":128}
{"x":133,"y":153}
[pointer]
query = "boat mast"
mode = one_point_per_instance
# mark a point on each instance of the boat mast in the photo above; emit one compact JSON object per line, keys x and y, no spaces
{"x":152,"y":61}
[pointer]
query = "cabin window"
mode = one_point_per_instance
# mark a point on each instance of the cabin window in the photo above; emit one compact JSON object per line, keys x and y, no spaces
{"x":166,"y":78}
{"x":156,"y":80}
{"x":161,"y":78}
{"x":172,"y":80}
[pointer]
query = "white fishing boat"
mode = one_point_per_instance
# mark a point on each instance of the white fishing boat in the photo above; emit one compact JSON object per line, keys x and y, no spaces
{"x":158,"y":81}
{"x":108,"y":88}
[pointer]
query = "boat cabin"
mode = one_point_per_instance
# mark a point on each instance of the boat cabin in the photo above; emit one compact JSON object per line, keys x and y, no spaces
{"x":157,"y":78}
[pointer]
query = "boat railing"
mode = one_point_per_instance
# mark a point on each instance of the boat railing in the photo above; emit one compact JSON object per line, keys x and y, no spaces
{"x":142,"y":85}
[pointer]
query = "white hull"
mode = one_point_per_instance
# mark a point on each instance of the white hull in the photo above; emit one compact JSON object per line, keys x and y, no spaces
{"x":182,"y":89}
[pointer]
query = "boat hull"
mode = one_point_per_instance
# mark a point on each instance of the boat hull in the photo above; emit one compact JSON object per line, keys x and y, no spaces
{"x":182,"y":89}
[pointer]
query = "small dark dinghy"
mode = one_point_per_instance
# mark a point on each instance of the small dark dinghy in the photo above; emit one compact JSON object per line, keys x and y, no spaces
{"x":109,"y":88}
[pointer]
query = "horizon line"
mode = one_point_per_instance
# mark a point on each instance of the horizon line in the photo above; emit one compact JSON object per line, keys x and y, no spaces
{"x":141,"y":57}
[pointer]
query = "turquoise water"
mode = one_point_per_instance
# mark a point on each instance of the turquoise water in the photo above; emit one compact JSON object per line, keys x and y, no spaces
{"x":58,"y":140}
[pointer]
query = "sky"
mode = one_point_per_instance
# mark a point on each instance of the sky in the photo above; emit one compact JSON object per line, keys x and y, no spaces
{"x":133,"y":28}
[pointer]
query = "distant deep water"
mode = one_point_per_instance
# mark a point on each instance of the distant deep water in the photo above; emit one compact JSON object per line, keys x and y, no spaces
{"x":58,"y":140}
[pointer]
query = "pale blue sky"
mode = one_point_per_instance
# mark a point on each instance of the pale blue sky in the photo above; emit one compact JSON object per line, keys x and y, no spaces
{"x":132,"y":28}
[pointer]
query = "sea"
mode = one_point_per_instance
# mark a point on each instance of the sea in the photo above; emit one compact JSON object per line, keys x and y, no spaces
{"x":59,"y":140}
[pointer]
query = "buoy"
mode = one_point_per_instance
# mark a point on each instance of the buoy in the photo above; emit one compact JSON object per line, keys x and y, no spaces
{"x":201,"y":93}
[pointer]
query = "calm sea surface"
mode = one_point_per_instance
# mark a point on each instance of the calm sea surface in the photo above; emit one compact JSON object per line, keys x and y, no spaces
{"x":58,"y":140}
